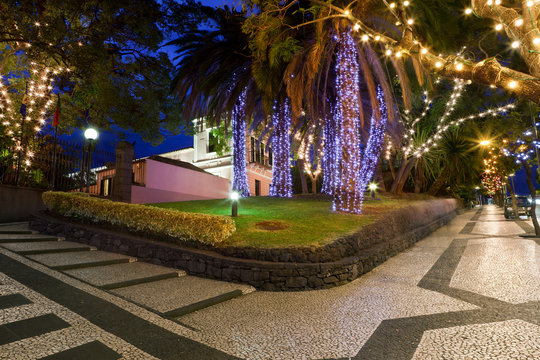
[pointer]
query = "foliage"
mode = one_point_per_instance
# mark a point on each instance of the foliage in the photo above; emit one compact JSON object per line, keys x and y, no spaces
{"x":180,"y":226}
{"x":117,"y":72}
{"x":214,"y":65}
{"x":220,"y":139}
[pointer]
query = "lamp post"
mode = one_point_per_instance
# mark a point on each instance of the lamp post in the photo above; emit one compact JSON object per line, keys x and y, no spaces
{"x":91,"y":135}
{"x":373,"y":187}
{"x":234,"y":198}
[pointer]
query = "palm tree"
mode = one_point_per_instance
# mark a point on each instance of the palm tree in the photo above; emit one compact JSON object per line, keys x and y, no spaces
{"x":317,"y":43}
{"x":214,"y":80}
{"x":459,"y":161}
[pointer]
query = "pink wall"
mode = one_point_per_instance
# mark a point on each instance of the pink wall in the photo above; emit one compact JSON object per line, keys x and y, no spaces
{"x":263,"y":174}
{"x":166,"y":182}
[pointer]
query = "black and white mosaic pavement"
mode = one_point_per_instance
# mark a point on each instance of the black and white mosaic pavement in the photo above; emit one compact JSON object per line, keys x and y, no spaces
{"x":471,"y":290}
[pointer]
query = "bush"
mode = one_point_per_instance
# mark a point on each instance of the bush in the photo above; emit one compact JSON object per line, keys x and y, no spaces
{"x":171,"y":224}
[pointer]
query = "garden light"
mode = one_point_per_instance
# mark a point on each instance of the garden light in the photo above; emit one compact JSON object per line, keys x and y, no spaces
{"x":373,"y":187}
{"x":234,"y":197}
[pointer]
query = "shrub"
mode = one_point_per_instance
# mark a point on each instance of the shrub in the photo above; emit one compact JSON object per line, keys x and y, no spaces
{"x":168,"y":223}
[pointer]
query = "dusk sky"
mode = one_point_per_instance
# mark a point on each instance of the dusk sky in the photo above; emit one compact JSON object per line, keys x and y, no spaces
{"x":108,"y":139}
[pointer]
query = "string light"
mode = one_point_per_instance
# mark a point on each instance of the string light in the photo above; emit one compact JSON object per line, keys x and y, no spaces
{"x":373,"y":149}
{"x":347,"y":113}
{"x":330,"y":161}
{"x":281,"y":185}
{"x":240,"y":180}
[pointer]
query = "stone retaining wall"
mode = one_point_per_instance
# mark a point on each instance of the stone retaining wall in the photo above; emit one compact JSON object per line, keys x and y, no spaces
{"x":289,"y":269}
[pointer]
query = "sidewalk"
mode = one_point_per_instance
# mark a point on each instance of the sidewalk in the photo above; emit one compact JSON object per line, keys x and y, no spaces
{"x":470,"y":290}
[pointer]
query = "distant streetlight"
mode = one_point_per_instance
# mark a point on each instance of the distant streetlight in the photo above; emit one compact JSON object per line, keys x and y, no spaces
{"x":485,"y":142}
{"x":91,"y":135}
{"x":234,"y":197}
{"x":373,"y":187}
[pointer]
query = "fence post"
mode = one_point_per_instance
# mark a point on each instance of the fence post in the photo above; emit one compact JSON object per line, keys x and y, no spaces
{"x":124,"y":172}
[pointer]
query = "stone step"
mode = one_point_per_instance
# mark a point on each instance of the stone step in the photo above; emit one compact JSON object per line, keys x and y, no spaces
{"x":45,"y":247}
{"x":81,"y":259}
{"x":121,"y":275}
{"x":180,"y":296}
{"x":14,"y":231}
{"x":13,"y":238}
{"x":17,"y":223}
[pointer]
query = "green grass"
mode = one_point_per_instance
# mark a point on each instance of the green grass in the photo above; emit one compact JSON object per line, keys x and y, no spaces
{"x":309,"y":220}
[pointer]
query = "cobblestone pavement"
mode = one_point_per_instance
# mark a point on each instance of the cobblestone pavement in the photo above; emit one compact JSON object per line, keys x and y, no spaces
{"x":471,"y":290}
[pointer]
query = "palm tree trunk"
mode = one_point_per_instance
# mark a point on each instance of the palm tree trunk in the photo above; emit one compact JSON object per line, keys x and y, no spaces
{"x":440,"y":182}
{"x":314,"y":183}
{"x":346,"y":196}
{"x":532,"y":190}
{"x":379,"y":174}
{"x":402,"y":175}
{"x":300,"y":163}
{"x":513,"y":197}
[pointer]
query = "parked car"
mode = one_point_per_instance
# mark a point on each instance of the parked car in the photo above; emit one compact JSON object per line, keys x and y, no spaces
{"x":523,"y":207}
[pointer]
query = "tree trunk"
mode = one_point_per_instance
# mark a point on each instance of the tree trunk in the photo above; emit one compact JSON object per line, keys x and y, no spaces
{"x":418,"y":178}
{"x":532,"y":190}
{"x":392,"y":170}
{"x":314,"y":183}
{"x":397,"y":177}
{"x":513,"y":197}
{"x":300,"y":163}
{"x":440,"y":182}
{"x":346,"y":197}
{"x":403,"y":174}
{"x":379,"y":174}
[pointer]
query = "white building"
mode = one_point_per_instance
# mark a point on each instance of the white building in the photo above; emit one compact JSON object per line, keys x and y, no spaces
{"x":202,"y":155}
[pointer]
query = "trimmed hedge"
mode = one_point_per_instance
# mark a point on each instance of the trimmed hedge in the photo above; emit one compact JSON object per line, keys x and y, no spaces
{"x":172,"y":224}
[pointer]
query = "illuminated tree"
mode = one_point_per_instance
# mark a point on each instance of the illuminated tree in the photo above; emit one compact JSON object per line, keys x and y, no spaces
{"x":281,"y":185}
{"x":523,"y":148}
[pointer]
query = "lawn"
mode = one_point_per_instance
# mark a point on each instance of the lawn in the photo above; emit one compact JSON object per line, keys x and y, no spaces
{"x":301,"y":221}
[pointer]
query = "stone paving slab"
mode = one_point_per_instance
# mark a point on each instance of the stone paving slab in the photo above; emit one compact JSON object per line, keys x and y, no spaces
{"x":498,"y":228}
{"x":42,"y":247}
{"x":6,"y":238}
{"x":119,"y":275}
{"x":79,"y":259}
{"x":171,"y":294}
{"x":502,"y":268}
{"x":512,"y":339}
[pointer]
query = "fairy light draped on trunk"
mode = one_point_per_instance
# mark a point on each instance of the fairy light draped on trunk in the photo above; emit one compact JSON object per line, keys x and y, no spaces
{"x":240,"y":180}
{"x":281,"y":146}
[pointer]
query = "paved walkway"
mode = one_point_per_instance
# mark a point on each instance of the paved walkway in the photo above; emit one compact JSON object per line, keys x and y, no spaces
{"x":471,"y":290}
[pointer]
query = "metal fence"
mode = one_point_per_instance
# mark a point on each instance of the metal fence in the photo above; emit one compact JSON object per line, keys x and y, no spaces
{"x":57,"y":164}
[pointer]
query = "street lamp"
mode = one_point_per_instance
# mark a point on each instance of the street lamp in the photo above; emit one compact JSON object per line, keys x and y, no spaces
{"x":234,"y":198}
{"x":373,"y":187}
{"x":91,"y":135}
{"x":485,"y":142}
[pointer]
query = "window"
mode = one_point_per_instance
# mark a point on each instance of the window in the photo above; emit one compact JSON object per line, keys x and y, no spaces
{"x":106,"y":187}
{"x":252,"y":148}
{"x":211,"y":142}
{"x":257,"y":150}
{"x":199,"y":126}
{"x":262,"y":154}
{"x":270,"y":157}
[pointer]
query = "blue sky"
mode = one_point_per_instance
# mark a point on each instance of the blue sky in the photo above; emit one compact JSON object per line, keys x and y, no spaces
{"x":109,"y":139}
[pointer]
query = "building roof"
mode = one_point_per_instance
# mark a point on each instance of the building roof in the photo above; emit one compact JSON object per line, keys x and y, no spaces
{"x":178,"y":163}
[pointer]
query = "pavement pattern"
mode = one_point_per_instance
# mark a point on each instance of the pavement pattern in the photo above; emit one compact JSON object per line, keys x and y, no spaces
{"x":470,"y":290}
